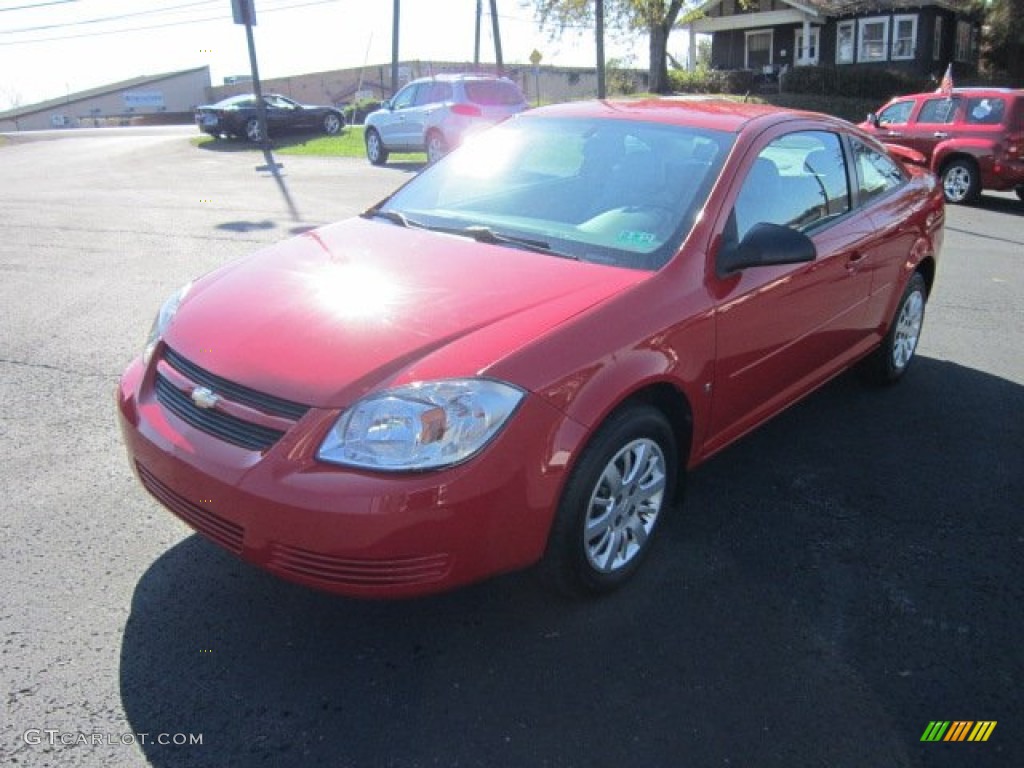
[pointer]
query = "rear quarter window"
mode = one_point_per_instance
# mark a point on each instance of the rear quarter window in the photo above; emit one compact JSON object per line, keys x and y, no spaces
{"x":987,"y":110}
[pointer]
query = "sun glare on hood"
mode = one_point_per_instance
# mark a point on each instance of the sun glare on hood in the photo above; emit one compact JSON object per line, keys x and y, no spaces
{"x":356,"y":291}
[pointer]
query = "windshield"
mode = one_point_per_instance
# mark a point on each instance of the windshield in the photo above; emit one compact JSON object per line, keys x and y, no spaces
{"x":608,"y":191}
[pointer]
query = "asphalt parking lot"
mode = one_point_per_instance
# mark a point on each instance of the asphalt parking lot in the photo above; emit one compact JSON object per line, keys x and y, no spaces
{"x":835,"y":582}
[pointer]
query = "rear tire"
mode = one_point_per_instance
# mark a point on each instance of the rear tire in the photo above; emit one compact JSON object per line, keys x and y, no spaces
{"x":252,"y":130}
{"x":617,"y":494}
{"x":890,"y":361}
{"x":375,"y":151}
{"x":436,"y":147}
{"x":961,"y":181}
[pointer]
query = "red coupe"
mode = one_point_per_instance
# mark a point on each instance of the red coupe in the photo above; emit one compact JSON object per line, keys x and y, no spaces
{"x":513,"y":359}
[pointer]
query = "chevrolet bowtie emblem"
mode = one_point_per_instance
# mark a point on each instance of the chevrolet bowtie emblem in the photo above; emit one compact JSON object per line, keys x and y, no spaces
{"x":204,"y":397}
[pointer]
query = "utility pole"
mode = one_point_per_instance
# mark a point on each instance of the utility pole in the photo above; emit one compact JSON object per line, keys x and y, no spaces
{"x":599,"y":26}
{"x":245,"y":13}
{"x":476,"y":42}
{"x":497,"y":37}
{"x":394,"y":45}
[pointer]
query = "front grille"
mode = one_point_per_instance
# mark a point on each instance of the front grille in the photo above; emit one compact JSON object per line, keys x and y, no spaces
{"x":363,"y":573}
{"x":228,"y":428}
{"x":209,"y":523}
{"x":217,"y":422}
{"x":276,"y":406}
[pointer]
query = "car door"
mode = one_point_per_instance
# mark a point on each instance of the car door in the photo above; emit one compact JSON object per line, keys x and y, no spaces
{"x":783,"y":329}
{"x":890,"y":124}
{"x":395,"y":129}
{"x":280,"y":114}
{"x":430,"y":98}
{"x":932,"y":124}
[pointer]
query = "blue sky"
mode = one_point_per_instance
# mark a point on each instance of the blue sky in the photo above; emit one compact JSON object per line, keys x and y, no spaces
{"x":52,"y":47}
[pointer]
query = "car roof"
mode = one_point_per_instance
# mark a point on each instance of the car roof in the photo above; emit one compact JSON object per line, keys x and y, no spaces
{"x":450,"y":77}
{"x":703,"y":112}
{"x":973,"y":90}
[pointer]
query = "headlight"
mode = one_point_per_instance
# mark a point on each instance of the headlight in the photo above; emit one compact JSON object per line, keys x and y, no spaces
{"x":422,"y":426}
{"x":163,"y":320}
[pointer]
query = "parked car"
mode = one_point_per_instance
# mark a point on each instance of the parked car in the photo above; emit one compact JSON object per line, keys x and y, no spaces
{"x":433,"y":114}
{"x":973,"y":139}
{"x":514,"y":358}
{"x":235,"y":117}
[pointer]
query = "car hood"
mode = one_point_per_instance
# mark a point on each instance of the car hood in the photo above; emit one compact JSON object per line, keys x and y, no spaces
{"x":325,"y":317}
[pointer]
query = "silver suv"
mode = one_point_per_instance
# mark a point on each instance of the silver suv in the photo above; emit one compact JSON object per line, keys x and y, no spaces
{"x":433,"y":114}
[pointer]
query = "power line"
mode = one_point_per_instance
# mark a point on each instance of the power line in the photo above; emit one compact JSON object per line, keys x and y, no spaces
{"x":104,"y":19}
{"x":185,"y":22}
{"x":37,"y":5}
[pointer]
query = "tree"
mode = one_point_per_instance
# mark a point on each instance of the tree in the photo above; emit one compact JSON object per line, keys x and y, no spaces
{"x":655,"y":17}
{"x":1004,"y":37}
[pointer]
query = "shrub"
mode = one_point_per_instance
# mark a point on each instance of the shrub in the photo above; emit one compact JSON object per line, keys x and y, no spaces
{"x":704,"y":80}
{"x":858,"y":82}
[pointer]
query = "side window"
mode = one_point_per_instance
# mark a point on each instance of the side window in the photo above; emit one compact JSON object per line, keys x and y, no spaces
{"x":405,"y":97}
{"x":985,"y":111}
{"x":800,"y":180}
{"x":434,"y":93}
{"x":877,"y":173}
{"x":939,"y":110}
{"x":897,"y":114}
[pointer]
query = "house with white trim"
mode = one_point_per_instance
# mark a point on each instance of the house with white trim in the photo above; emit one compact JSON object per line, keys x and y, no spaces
{"x":771,"y":36}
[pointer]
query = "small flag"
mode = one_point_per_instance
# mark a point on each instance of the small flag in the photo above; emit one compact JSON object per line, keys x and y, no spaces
{"x":946,"y":86}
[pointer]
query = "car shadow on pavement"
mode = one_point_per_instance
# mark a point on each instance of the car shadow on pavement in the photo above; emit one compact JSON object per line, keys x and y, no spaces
{"x":835,"y":581}
{"x":1010,"y":205}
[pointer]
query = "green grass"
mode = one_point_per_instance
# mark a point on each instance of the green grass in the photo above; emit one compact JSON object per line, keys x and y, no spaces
{"x":348,"y":144}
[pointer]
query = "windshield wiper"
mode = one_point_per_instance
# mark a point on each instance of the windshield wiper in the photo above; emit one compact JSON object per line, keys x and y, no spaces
{"x":477,"y":232}
{"x":487,"y":235}
{"x":396,"y":217}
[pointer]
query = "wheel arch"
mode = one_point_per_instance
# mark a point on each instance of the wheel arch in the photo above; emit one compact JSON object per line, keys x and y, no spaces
{"x":927,"y":269}
{"x":671,"y":402}
{"x":943,"y":160}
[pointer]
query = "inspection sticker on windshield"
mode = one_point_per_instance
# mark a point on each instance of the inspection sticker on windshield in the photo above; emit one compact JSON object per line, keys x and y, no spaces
{"x":631,"y":237}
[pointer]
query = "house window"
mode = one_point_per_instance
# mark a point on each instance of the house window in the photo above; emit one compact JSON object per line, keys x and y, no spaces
{"x":874,"y":39}
{"x":937,"y":41}
{"x":810,"y":56}
{"x":844,"y":42}
{"x":964,"y":40}
{"x":758,"y":54}
{"x":904,"y":37}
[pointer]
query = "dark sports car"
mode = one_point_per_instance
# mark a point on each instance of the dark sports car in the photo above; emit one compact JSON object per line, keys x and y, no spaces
{"x":236,"y":117}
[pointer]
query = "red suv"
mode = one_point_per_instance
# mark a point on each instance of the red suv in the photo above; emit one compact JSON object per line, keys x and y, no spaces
{"x":973,"y":139}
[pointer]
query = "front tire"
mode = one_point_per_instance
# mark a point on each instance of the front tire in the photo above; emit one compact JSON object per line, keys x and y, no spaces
{"x":612,"y":504}
{"x":333,"y":123}
{"x":961,"y":181}
{"x":890,"y":361}
{"x":375,"y":151}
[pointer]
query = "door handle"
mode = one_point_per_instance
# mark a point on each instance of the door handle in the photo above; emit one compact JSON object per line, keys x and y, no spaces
{"x":855,"y":261}
{"x":893,"y":135}
{"x":940,"y":135}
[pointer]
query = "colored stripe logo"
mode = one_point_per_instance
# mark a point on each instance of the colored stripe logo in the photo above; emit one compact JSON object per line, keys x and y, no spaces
{"x":958,"y":730}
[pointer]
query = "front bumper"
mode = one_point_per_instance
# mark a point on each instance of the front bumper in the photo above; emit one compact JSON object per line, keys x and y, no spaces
{"x":347,"y":531}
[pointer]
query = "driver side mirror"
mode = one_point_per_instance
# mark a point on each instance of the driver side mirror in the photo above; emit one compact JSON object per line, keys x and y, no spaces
{"x":765,"y":245}
{"x":873,"y":119}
